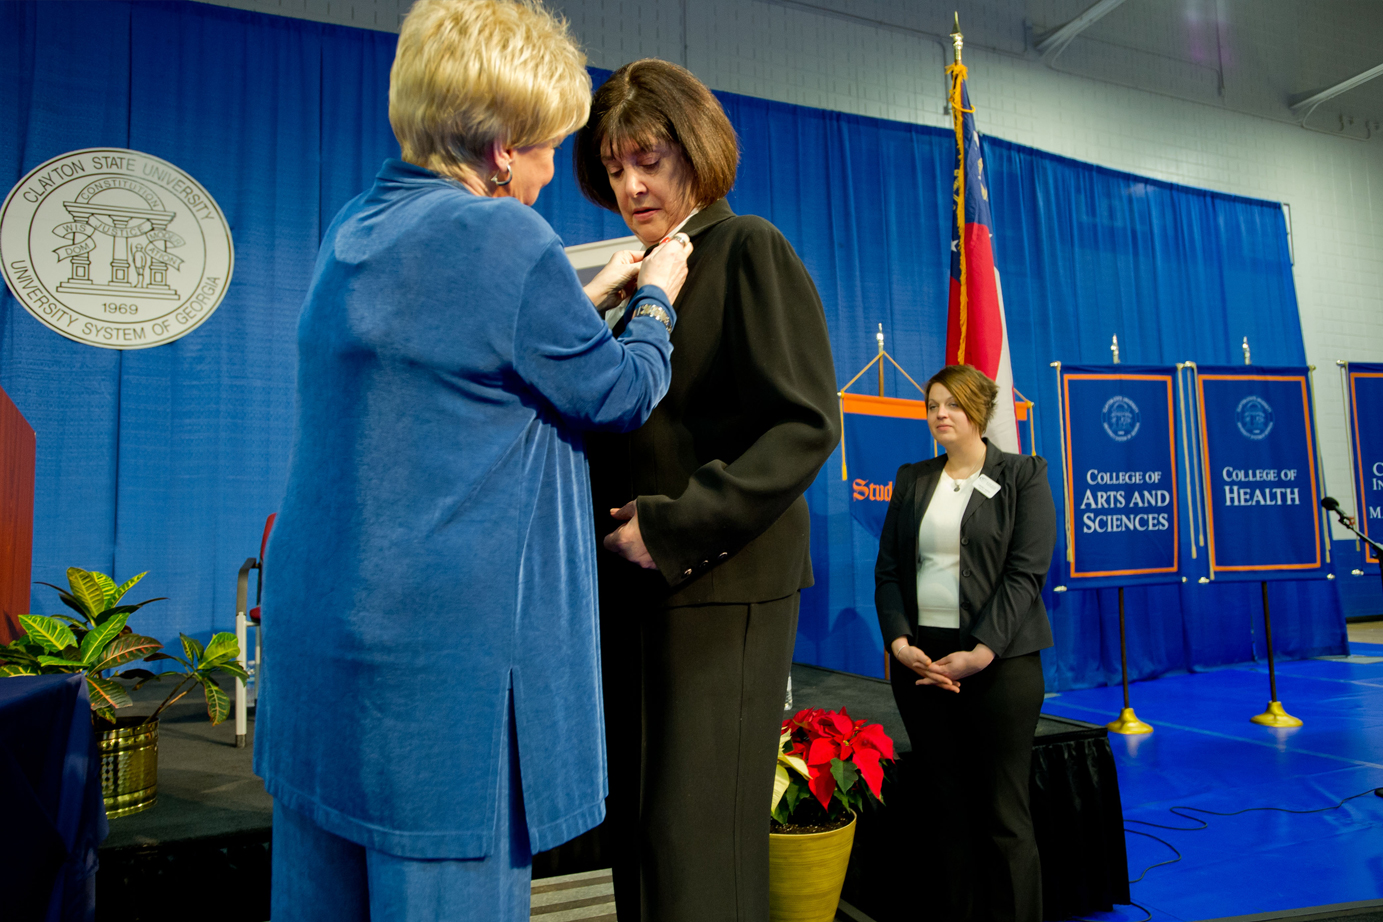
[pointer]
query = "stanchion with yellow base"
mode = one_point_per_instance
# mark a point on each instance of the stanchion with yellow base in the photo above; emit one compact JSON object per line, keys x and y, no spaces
{"x":1128,"y":722}
{"x":1275,"y":715}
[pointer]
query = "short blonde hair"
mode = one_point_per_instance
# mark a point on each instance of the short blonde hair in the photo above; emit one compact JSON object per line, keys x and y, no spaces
{"x":974,"y":390}
{"x":468,"y":73}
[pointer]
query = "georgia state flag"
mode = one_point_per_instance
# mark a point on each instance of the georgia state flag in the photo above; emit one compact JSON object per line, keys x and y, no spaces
{"x":976,"y":332}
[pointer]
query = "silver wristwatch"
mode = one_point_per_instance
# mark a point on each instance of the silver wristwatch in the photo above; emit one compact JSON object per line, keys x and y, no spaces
{"x":655,"y":311}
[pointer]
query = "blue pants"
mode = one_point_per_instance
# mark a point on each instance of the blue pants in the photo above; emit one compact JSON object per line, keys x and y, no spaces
{"x":320,"y":877}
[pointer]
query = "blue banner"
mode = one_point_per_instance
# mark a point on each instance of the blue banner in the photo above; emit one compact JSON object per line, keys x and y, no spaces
{"x":881,"y":435}
{"x":1260,"y":473}
{"x":1119,"y":449}
{"x":1365,"y":390}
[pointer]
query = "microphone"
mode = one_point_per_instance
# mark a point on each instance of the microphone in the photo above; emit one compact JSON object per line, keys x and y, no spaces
{"x":1331,"y":504}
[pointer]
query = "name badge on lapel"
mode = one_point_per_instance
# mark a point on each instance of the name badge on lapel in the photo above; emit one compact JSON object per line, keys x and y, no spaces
{"x":986,"y":486}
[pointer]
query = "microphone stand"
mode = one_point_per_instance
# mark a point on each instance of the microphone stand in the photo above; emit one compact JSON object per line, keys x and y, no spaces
{"x":1377,"y":548}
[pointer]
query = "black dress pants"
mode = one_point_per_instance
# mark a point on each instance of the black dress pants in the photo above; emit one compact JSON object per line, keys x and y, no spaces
{"x":693,"y":711}
{"x":971,"y":755}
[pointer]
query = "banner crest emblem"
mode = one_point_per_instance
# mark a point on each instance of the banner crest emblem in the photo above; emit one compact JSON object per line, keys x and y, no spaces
{"x":1254,"y":417}
{"x":1121,"y":418}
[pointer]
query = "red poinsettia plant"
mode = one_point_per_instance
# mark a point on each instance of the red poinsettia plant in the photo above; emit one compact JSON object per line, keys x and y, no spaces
{"x":828,"y":763}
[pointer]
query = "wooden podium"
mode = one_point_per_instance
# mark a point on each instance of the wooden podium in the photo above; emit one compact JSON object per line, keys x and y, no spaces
{"x":16,"y":516}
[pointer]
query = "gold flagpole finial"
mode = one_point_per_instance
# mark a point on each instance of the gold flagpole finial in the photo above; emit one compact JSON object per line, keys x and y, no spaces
{"x":957,"y":39}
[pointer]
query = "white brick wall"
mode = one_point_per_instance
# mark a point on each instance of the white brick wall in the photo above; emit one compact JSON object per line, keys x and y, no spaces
{"x":884,"y":58}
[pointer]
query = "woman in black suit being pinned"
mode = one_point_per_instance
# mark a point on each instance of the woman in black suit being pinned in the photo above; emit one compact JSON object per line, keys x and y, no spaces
{"x":702,"y":511}
{"x":965,"y":549}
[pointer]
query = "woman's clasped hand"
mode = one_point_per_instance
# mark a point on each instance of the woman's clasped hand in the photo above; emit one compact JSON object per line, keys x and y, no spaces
{"x":946,"y":672}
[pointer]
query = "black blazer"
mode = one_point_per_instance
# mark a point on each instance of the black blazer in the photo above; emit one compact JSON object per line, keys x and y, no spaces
{"x":1006,"y":544}
{"x":720,"y":466}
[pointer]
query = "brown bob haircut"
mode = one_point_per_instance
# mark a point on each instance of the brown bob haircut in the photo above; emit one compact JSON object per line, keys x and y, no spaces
{"x":649,"y":102}
{"x":974,"y":390}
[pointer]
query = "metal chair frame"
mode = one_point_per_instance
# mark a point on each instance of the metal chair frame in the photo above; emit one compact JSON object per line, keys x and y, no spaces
{"x":244,"y":697}
{"x":247,"y":693}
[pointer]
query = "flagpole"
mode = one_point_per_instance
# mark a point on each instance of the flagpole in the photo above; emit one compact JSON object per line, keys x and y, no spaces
{"x":1354,"y":470}
{"x":1065,"y":475}
{"x":1275,"y":715}
{"x":880,"y":358}
{"x":1320,"y":469}
{"x":1186,"y":457}
{"x":957,"y":72}
{"x":888,"y":665}
{"x":1127,"y":722}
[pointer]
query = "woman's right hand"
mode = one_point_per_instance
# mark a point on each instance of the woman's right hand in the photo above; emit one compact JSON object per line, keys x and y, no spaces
{"x":666,"y":265}
{"x":611,"y":284}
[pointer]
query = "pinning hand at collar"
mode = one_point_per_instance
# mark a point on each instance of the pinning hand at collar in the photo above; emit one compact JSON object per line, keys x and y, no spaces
{"x":615,"y":282}
{"x":666,"y":265}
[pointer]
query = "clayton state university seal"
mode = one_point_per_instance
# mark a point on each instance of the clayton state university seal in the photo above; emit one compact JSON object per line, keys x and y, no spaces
{"x":1121,"y":418}
{"x":1254,"y":417}
{"x":115,"y":248}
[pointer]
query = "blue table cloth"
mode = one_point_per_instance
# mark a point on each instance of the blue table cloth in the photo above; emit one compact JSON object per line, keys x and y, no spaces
{"x":53,"y":820}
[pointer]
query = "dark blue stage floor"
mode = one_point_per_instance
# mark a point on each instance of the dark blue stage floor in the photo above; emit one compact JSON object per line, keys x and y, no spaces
{"x":1205,"y":753}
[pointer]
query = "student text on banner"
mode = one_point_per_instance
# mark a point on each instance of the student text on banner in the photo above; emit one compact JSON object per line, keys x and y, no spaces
{"x":881,"y":435}
{"x":1365,"y":391}
{"x":1259,"y":473}
{"x":1119,"y":440}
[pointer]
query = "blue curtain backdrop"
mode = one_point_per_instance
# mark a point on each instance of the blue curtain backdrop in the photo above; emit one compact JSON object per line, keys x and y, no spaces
{"x":168,"y":459}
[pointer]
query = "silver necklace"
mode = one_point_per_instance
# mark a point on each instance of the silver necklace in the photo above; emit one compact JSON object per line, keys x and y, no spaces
{"x":957,"y":484}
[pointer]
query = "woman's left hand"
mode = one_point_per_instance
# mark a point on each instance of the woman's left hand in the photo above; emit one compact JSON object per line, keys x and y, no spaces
{"x":616,"y":281}
{"x":627,"y":540}
{"x":964,"y":663}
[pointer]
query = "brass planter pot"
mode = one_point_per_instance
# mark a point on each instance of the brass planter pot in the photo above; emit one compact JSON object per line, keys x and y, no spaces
{"x":806,"y":872}
{"x":129,"y":766}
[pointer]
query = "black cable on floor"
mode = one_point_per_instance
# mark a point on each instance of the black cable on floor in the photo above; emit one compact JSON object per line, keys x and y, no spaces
{"x":1204,"y":825}
{"x":1195,"y":819}
{"x":1252,"y":809}
{"x":1160,"y":863}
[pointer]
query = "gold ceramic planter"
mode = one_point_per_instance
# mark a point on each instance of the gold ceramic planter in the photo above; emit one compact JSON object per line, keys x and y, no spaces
{"x":129,"y":766}
{"x":806,"y":872}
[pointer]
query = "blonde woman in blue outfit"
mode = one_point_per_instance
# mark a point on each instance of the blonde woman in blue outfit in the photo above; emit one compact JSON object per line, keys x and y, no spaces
{"x":431,"y":711}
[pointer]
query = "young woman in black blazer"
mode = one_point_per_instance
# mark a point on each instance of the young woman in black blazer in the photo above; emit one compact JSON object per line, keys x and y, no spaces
{"x":965,"y":549}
